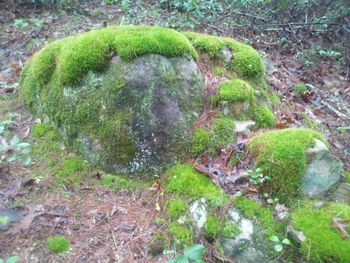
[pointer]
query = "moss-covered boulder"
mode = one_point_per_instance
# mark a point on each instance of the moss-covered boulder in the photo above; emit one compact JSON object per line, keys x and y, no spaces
{"x":324,"y":241}
{"x":125,"y":98}
{"x":298,"y":162}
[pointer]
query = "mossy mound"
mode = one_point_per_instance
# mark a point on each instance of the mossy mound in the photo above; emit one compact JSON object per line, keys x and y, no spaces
{"x":281,"y":155}
{"x":238,"y":98}
{"x":324,"y":242}
{"x":241,"y":58}
{"x":123,"y":97}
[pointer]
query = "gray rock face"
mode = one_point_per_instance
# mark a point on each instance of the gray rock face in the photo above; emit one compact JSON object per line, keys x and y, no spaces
{"x":142,"y":113}
{"x":342,"y":194}
{"x":250,"y":245}
{"x":323,"y":172}
{"x":199,"y":213}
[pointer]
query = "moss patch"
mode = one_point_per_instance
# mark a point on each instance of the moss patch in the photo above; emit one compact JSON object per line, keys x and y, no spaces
{"x":58,"y":244}
{"x":324,"y":243}
{"x":280,"y":155}
{"x":71,"y":171}
{"x":185,"y":181}
{"x":176,"y":208}
{"x":212,"y":228}
{"x":201,"y":141}
{"x":263,"y":117}
{"x":260,"y":214}
{"x":72,"y":57}
{"x":236,"y":91}
{"x":181,"y":234}
{"x":221,"y":133}
{"x":246,"y":61}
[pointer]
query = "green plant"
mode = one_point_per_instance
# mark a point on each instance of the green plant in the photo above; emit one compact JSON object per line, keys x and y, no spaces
{"x":13,"y":149}
{"x":11,"y":259}
{"x":193,"y":254}
{"x":279,"y":244}
{"x":257,"y":177}
{"x":58,"y":244}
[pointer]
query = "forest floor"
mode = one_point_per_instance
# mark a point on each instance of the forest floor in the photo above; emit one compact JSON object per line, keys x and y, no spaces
{"x":106,"y":225}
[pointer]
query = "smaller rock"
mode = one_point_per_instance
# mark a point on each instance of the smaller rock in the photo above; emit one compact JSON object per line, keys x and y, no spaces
{"x":243,"y":126}
{"x":323,"y":171}
{"x":7,"y":217}
{"x":199,"y":213}
{"x":297,"y":236}
{"x":342,"y":194}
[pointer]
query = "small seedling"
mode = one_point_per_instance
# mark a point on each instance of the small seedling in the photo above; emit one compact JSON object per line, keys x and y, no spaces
{"x":279,"y":245}
{"x":257,"y":177}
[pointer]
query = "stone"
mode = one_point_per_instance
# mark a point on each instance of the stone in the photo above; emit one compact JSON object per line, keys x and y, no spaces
{"x":342,"y":194}
{"x":199,"y":213}
{"x":323,"y":172}
{"x":7,"y":217}
{"x":250,"y":245}
{"x":243,"y":126}
{"x":153,"y":101}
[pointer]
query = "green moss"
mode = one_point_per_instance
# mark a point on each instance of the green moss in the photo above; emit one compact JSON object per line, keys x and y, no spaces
{"x":176,"y":208}
{"x":212,"y":228}
{"x":58,"y":244}
{"x":182,"y":235}
{"x":224,"y":134}
{"x":118,"y":182}
{"x":299,"y":88}
{"x":263,"y":116}
{"x":39,"y":130}
{"x":230,"y":230}
{"x":324,"y":243}
{"x":260,"y":214}
{"x":246,"y":61}
{"x":201,"y":141}
{"x":235,"y":91}
{"x":71,"y":171}
{"x":347,"y":177}
{"x":72,"y":57}
{"x":185,"y":181}
{"x":219,"y":71}
{"x":280,"y":155}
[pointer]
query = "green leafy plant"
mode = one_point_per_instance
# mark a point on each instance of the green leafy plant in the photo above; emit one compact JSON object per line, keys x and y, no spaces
{"x":193,"y":254}
{"x":11,"y":259}
{"x":256,"y":177}
{"x":279,"y":244}
{"x":13,"y":149}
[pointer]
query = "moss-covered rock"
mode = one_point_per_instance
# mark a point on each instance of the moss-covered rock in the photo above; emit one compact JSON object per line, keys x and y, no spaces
{"x":281,"y":155}
{"x":241,"y":58}
{"x":123,"y":97}
{"x":324,"y":242}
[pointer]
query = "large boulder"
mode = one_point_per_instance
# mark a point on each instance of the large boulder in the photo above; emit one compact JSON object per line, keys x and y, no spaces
{"x":125,"y":98}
